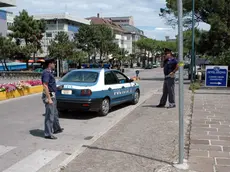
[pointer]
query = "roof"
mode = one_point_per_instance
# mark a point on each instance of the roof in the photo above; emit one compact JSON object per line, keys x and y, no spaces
{"x":131,"y":29}
{"x":61,"y":16}
{"x":7,"y":3}
{"x":107,"y":22}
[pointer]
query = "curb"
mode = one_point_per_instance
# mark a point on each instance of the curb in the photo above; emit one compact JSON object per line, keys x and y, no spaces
{"x":80,"y":149}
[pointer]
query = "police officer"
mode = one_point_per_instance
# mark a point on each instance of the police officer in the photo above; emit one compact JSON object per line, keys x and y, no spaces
{"x":170,"y":66}
{"x":49,"y":98}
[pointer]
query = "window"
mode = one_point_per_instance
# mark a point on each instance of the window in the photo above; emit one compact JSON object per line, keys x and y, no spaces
{"x":110,"y":78}
{"x":81,"y":76}
{"x":48,"y":34}
{"x":122,"y":78}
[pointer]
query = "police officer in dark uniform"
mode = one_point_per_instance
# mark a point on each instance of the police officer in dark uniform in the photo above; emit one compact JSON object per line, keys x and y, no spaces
{"x":170,"y":66}
{"x":52,"y":125}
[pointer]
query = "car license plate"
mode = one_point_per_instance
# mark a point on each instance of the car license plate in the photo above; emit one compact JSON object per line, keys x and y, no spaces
{"x":68,"y":92}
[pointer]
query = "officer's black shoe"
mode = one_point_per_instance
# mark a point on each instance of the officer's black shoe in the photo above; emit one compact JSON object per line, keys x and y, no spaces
{"x":160,"y":105}
{"x":59,"y":131}
{"x":51,"y":137}
{"x":171,"y":106}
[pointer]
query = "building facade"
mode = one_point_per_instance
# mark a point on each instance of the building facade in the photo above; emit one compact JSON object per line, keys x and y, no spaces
{"x":122,"y":20}
{"x":133,"y":34}
{"x":59,"y":23}
{"x":3,"y":15}
{"x":120,"y":37}
{"x":3,"y":23}
{"x":168,"y":39}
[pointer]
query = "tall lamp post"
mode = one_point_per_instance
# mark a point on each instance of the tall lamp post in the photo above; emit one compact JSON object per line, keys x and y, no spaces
{"x":193,"y":57}
{"x":58,"y":62}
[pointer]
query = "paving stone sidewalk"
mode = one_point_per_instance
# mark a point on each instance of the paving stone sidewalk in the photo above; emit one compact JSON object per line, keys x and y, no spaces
{"x":144,"y":141}
{"x":210,"y":134}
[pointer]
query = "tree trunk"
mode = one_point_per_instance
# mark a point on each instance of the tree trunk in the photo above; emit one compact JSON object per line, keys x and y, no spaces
{"x":148,"y":59}
{"x":4,"y":65}
{"x":34,"y":60}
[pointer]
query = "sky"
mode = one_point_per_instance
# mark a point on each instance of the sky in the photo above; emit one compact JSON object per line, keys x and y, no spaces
{"x":145,"y":12}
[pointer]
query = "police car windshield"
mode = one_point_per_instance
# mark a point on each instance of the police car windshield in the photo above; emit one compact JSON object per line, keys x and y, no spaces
{"x":81,"y":76}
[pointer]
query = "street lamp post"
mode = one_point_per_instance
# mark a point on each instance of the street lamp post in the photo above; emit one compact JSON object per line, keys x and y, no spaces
{"x":58,"y":64}
{"x":193,"y":62}
{"x":181,"y":81}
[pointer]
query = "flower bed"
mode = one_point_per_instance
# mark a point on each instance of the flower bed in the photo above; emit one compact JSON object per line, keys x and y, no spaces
{"x":21,"y":88}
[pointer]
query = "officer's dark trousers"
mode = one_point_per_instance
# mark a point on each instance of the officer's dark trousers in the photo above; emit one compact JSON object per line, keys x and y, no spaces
{"x":51,"y":118}
{"x":168,"y":91}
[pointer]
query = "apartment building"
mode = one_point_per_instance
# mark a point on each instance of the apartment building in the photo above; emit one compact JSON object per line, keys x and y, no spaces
{"x":3,"y":15}
{"x":57,"y":23}
{"x":118,"y":31}
{"x":133,"y":34}
{"x":128,"y":20}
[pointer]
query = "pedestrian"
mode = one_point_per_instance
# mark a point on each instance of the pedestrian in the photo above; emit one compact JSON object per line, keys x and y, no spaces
{"x":170,"y":66}
{"x":52,"y":125}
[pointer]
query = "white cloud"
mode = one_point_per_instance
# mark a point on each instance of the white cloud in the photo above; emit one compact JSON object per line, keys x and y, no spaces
{"x":145,"y":12}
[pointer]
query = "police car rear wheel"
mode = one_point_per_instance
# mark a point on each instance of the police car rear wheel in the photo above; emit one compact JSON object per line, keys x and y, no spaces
{"x":105,"y":106}
{"x":136,"y":97}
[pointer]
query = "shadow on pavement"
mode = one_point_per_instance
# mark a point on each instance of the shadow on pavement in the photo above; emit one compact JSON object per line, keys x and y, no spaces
{"x":37,"y":133}
{"x":129,"y":153}
{"x":212,"y":93}
{"x":152,"y":106}
{"x":87,"y":115}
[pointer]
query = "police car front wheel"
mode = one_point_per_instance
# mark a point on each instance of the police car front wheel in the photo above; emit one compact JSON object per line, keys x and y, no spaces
{"x":136,"y":97}
{"x":105,"y":106}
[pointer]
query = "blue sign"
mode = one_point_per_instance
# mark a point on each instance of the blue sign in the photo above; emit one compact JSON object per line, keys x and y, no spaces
{"x":216,"y":76}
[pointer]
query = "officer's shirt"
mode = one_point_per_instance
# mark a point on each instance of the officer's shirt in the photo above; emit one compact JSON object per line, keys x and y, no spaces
{"x":169,"y":66}
{"x":48,"y":77}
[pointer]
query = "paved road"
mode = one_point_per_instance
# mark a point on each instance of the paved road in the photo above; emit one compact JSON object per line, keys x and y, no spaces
{"x":144,"y":141}
{"x":22,"y":146}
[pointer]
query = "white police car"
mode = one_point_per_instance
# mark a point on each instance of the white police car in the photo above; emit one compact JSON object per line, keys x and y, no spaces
{"x":95,"y":90}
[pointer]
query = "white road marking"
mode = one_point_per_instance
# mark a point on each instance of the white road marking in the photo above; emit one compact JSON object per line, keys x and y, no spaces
{"x":34,"y":162}
{"x":5,"y":149}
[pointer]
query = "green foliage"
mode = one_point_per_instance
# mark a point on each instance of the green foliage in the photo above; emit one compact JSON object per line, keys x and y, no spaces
{"x":194,"y":86}
{"x":216,"y":13}
{"x":8,"y":49}
{"x":61,"y":47}
{"x":26,"y":28}
{"x":95,"y":39}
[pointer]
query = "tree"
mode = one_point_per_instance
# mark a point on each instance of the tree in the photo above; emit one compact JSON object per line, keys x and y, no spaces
{"x":215,"y":13}
{"x":106,"y":38}
{"x":87,"y":39}
{"x":61,"y":47}
{"x":8,"y":50}
{"x":95,"y":39}
{"x":28,"y":30}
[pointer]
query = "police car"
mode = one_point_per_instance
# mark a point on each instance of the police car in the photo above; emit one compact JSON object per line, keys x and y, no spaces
{"x":95,"y":90}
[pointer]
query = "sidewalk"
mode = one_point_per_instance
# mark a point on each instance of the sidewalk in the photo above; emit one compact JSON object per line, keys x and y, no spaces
{"x":210,"y":134}
{"x":144,"y":141}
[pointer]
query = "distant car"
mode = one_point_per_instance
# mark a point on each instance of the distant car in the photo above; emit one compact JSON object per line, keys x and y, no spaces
{"x":95,"y":90}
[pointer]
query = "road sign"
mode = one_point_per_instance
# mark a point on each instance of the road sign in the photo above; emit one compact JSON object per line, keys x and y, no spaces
{"x":216,"y":76}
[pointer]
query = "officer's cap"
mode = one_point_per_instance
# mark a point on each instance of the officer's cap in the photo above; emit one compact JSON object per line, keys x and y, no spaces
{"x":167,"y":50}
{"x":49,"y":60}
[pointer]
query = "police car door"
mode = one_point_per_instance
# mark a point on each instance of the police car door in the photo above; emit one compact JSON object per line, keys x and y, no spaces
{"x":126,"y":87}
{"x":112,"y":88}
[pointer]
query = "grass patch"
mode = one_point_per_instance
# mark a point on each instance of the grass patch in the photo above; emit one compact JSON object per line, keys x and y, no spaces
{"x":194,"y":86}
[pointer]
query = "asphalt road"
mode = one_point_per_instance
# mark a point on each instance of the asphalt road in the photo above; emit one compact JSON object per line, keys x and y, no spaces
{"x":22,"y":146}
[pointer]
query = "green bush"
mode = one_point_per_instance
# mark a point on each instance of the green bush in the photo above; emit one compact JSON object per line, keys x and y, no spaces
{"x":194,"y":86}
